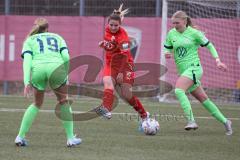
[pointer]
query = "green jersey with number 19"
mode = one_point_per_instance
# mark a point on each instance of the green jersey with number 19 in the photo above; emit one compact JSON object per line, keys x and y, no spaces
{"x":44,"y":48}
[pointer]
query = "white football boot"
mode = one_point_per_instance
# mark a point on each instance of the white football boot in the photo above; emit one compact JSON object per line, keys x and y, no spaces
{"x":103,"y":111}
{"x":228,"y":127}
{"x":74,"y":141}
{"x":140,"y":129}
{"x":20,"y":142}
{"x":191,"y":125}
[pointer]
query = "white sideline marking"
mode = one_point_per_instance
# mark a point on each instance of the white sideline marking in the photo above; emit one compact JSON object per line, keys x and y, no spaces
{"x":114,"y":113}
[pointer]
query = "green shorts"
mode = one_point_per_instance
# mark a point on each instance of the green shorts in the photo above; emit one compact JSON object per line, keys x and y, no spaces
{"x":194,"y":73}
{"x":53,"y":74}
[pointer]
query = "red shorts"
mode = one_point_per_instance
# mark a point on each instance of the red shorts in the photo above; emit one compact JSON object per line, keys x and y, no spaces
{"x":128,"y":73}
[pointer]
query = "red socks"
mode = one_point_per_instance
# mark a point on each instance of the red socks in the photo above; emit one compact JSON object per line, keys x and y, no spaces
{"x":137,"y":105}
{"x":108,"y":99}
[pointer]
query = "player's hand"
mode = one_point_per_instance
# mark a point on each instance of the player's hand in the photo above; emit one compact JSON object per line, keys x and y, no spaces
{"x":107,"y":45}
{"x":221,"y":65}
{"x":100,"y":44}
{"x":27,"y":90}
{"x":168,"y":56}
{"x":119,"y":78}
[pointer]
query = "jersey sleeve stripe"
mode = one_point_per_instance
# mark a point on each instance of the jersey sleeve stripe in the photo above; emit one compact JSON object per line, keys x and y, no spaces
{"x":61,"y":49}
{"x":29,"y":52}
{"x":204,"y":45}
{"x":168,"y":47}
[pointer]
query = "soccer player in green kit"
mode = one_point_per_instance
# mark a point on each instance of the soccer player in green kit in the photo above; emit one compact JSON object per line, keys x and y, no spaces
{"x":183,"y":42}
{"x":44,"y":52}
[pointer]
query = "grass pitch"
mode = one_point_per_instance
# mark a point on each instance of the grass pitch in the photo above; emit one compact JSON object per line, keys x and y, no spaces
{"x":118,"y":138}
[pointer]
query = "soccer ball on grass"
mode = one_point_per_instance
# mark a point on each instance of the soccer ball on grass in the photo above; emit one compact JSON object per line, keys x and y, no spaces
{"x":150,"y":126}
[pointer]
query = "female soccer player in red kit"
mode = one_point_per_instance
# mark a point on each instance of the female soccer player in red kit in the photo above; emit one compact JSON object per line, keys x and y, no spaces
{"x":118,"y":68}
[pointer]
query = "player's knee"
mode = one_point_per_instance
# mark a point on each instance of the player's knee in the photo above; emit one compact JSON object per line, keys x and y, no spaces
{"x":127,"y":96}
{"x":64,"y":101}
{"x":108,"y":85}
{"x":179,"y":91}
{"x":126,"y":92}
{"x":202,"y":97}
{"x":38,"y":104}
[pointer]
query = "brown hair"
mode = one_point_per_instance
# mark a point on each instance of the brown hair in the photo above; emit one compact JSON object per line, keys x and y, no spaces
{"x":40,"y":26}
{"x":118,"y":14}
{"x":183,"y":15}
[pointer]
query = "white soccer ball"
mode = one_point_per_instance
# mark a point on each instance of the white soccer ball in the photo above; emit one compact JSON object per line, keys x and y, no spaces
{"x":150,"y":126}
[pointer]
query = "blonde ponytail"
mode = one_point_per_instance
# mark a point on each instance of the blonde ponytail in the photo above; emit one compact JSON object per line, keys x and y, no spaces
{"x":40,"y":26}
{"x":189,"y":22}
{"x":120,"y":12}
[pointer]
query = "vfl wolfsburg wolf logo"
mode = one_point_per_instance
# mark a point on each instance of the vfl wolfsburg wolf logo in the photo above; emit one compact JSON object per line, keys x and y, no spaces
{"x":181,"y":51}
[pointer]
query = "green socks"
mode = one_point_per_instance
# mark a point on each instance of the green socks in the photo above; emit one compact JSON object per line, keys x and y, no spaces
{"x":27,"y":120}
{"x":31,"y":112}
{"x":208,"y":104}
{"x":67,"y":120}
{"x":185,"y":104}
{"x":215,"y":112}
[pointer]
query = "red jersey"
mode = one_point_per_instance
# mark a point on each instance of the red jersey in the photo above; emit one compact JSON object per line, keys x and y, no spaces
{"x":116,"y":56}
